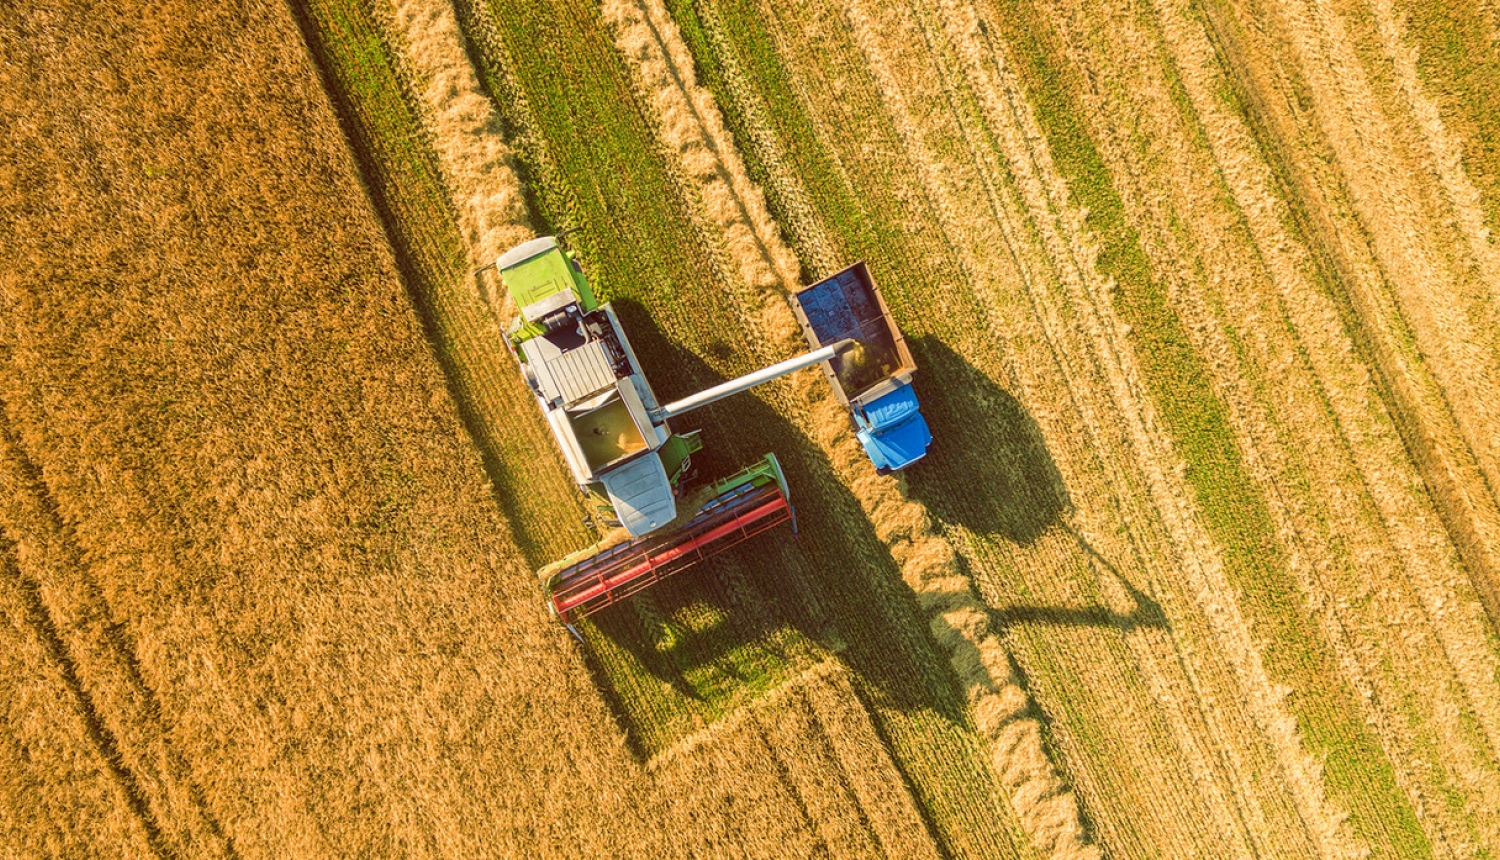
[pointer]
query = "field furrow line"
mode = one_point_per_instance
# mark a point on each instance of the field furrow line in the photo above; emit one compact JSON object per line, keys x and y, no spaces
{"x":695,"y":131}
{"x":867,"y":767}
{"x":62,"y":782}
{"x":1157,"y":151}
{"x":1342,"y":261}
{"x":1415,"y":583}
{"x":811,"y":243}
{"x":73,"y":619}
{"x":1380,"y":182}
{"x":1024,"y":165}
{"x":817,"y":755}
{"x":21,"y":604}
{"x":1090,"y":292}
{"x":883,"y":36}
{"x":1300,"y":435}
{"x":797,"y":742}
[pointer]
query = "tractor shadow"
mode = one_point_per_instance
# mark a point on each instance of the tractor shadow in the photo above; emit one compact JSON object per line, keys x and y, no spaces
{"x":989,"y":471}
{"x":710,"y":639}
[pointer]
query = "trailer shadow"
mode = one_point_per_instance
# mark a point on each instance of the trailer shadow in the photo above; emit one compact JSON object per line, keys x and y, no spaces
{"x":989,"y":471}
{"x":715,"y":636}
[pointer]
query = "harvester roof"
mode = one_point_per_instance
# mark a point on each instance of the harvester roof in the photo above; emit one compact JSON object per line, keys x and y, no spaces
{"x":538,"y":277}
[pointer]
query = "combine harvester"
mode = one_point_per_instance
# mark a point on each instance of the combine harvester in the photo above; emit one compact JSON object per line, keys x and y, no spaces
{"x":618,"y":445}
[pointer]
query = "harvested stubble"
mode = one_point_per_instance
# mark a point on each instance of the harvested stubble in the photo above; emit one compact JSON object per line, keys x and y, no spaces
{"x":874,"y":198}
{"x":1416,"y":289}
{"x":694,"y":130}
{"x":1232,"y":658}
{"x":812,"y":740}
{"x":1365,"y":547}
{"x":1394,"y":568}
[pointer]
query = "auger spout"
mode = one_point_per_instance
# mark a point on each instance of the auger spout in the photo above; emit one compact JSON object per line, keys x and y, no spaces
{"x":750,"y":380}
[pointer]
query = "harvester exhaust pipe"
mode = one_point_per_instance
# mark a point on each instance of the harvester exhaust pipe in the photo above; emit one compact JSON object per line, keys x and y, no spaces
{"x":750,"y":380}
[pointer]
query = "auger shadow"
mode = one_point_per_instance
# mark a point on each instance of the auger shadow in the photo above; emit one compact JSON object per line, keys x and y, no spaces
{"x":1145,"y":612}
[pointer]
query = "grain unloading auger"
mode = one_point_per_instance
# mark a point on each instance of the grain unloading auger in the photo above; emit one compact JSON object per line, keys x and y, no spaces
{"x":617,"y":443}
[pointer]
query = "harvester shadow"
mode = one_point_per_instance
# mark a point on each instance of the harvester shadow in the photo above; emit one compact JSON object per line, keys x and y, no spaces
{"x":834,"y":587}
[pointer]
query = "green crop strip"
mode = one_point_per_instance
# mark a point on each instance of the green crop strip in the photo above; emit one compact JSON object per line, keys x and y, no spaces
{"x":1359,"y":776}
{"x":1322,"y":272}
{"x":1234,"y":510}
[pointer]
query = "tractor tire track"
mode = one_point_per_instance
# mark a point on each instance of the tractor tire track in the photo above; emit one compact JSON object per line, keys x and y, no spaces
{"x":804,"y":18}
{"x":1445,"y":156}
{"x":1052,"y":197}
{"x":1296,"y":510}
{"x":120,"y":711}
{"x":1420,"y":414}
{"x":103,"y":741}
{"x":1034,"y":206}
{"x":1361,"y":638}
{"x":883,"y":37}
{"x":1462,"y":358}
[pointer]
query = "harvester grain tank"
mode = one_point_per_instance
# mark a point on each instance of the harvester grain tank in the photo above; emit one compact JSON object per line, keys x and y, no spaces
{"x":873,"y":379}
{"x":617,"y":442}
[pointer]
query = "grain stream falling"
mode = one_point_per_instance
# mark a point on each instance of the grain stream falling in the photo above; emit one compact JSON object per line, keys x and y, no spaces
{"x":693,"y":129}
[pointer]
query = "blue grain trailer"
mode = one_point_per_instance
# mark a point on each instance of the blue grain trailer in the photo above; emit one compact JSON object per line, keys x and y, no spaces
{"x":873,"y":379}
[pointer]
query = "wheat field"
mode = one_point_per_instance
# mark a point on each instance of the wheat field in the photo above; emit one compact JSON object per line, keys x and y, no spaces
{"x":1204,"y":561}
